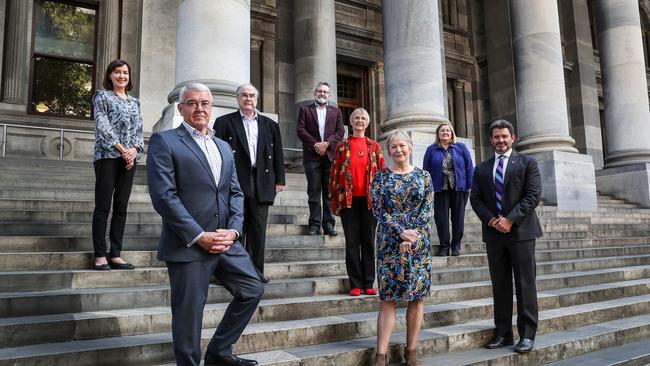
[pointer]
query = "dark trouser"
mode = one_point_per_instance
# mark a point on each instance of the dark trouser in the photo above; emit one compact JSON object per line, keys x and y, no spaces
{"x":254,"y":235}
{"x":318,"y":175}
{"x":359,"y":228}
{"x":112,"y":182}
{"x":189,"y":293}
{"x":443,"y":202}
{"x":504,"y":258}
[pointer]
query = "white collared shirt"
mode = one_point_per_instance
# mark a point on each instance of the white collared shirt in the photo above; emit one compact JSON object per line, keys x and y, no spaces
{"x":250,"y":125}
{"x":505,"y":163}
{"x":322,"y":113}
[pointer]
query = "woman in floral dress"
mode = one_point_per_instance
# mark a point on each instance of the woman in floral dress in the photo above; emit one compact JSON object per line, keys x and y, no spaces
{"x":402,"y":199}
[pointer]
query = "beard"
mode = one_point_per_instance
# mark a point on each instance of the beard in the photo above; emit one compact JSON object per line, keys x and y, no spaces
{"x":321,"y":100}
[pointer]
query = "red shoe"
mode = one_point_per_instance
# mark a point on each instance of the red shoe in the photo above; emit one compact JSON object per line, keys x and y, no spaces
{"x":355,"y":292}
{"x":370,"y":291}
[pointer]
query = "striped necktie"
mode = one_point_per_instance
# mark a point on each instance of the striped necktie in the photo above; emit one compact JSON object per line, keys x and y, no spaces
{"x":498,"y":184}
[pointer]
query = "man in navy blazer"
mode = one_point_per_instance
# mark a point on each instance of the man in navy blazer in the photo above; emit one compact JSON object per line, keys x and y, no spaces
{"x":193,"y":186}
{"x":320,"y":128}
{"x":504,"y":197}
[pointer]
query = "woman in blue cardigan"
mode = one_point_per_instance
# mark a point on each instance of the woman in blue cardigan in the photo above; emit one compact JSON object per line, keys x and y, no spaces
{"x":450,"y":165}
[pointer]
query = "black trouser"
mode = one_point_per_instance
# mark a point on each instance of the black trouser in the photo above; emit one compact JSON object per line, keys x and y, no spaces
{"x":443,"y":202}
{"x":112,"y":182}
{"x":318,"y":175}
{"x":254,"y":235}
{"x":505,"y":258}
{"x":359,"y":228}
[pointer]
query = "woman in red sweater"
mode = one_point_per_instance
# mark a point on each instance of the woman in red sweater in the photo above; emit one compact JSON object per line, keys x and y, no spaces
{"x":356,"y":160}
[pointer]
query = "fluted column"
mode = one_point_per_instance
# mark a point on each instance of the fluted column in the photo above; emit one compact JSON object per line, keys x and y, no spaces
{"x":568,"y":178}
{"x":625,"y":90}
{"x":16,"y":57}
{"x":627,"y":116}
{"x":109,"y":38}
{"x":314,"y":47}
{"x":213,"y":48}
{"x":543,"y":123}
{"x":414,"y":70}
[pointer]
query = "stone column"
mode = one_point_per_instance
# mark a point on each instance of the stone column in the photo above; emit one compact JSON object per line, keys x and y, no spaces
{"x":212,"y":47}
{"x":15,"y":79}
{"x":542,"y":120}
{"x":314,"y":48}
{"x":627,"y":116}
{"x":459,"y":108}
{"x":109,"y":38}
{"x":414,"y":71}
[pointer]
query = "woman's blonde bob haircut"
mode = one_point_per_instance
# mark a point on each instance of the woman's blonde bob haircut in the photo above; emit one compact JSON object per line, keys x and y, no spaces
{"x":453,"y":133}
{"x":398,"y":135}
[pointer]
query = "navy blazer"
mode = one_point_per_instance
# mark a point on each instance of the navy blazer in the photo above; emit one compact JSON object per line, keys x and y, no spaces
{"x":522,"y":192}
{"x":308,"y":133}
{"x":463,"y":165}
{"x":269,"y":159}
{"x":184,"y":193}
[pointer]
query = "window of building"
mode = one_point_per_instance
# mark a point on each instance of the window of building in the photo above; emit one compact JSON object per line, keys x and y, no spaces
{"x":348,"y":95}
{"x":63,"y":58}
{"x":593,"y":24}
{"x":645,"y":31}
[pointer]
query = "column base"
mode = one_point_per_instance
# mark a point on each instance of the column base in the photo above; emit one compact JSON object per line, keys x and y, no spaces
{"x":171,"y":117}
{"x":568,"y":180}
{"x":421,"y":141}
{"x":628,"y":182}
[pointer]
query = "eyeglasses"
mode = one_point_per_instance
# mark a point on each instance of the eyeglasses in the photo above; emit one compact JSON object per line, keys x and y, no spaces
{"x":251,"y":96}
{"x":320,"y":91}
{"x":205,"y":104}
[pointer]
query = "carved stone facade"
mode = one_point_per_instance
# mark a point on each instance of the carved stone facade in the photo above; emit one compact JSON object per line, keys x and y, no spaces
{"x":481,"y":68}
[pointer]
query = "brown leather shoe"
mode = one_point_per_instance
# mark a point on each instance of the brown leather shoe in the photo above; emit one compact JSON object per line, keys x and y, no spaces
{"x":380,"y":360}
{"x":411,"y":357}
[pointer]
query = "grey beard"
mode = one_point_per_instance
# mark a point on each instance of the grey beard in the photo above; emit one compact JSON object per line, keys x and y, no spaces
{"x":321,"y":100}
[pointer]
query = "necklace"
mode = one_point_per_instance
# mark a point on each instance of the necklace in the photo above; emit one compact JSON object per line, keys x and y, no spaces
{"x":360,"y":153}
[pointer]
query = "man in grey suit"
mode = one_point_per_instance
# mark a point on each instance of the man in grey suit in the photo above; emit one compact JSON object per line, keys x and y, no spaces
{"x":505,"y":191}
{"x":193,"y":186}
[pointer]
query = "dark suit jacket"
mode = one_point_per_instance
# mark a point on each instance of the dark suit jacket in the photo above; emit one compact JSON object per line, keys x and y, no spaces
{"x":269,"y":160}
{"x":307,"y":130}
{"x":522,"y":191}
{"x":184,"y":193}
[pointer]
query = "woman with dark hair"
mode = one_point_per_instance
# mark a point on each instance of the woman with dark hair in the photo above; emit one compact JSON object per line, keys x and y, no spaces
{"x":118,"y":145}
{"x":450,"y":165}
{"x":356,"y":159}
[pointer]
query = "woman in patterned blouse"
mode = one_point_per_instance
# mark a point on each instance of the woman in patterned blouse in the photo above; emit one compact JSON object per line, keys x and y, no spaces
{"x":118,"y":144}
{"x":356,"y":159}
{"x":401,"y":201}
{"x":450,"y":165}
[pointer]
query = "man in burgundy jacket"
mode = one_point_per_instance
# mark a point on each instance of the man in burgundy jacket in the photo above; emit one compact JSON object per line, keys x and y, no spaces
{"x":320,"y":128}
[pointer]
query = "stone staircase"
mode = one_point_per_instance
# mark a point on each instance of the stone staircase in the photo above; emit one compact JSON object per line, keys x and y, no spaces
{"x":593,"y":283}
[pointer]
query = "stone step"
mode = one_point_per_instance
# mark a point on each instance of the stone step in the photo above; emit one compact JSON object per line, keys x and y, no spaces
{"x":291,"y":317}
{"x":274,"y":336}
{"x":631,"y":354}
{"x":79,"y":260}
{"x":29,"y":194}
{"x":45,"y":280}
{"x":103,"y":299}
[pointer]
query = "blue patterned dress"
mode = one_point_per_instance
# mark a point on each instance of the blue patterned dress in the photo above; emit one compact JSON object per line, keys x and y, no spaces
{"x":401,"y":202}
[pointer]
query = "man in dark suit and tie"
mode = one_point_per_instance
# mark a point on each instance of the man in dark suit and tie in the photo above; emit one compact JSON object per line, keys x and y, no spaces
{"x":320,"y":128}
{"x":256,"y":143}
{"x":193,"y":186}
{"x":505,"y":191}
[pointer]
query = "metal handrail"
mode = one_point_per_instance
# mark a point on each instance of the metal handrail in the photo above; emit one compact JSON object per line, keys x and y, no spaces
{"x":62,"y":131}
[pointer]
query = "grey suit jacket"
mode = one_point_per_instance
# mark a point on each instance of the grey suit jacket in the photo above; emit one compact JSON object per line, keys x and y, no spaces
{"x":522,"y":192}
{"x":184,"y":193}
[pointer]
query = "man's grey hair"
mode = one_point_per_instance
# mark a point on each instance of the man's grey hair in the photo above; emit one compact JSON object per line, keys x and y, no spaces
{"x":321,"y":83}
{"x":501,"y":123}
{"x":238,"y":91}
{"x":197,"y":87}
{"x":398,"y":135}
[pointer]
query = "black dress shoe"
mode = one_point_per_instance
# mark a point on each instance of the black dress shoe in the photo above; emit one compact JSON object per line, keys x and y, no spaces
{"x":499,"y":342}
{"x":313,"y":230}
{"x":264,"y":279}
{"x":443,"y":253}
{"x":121,"y":265}
{"x":525,"y":345}
{"x":329,"y":230}
{"x":232,"y":360}
{"x":102,"y":267}
{"x":455,"y":253}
